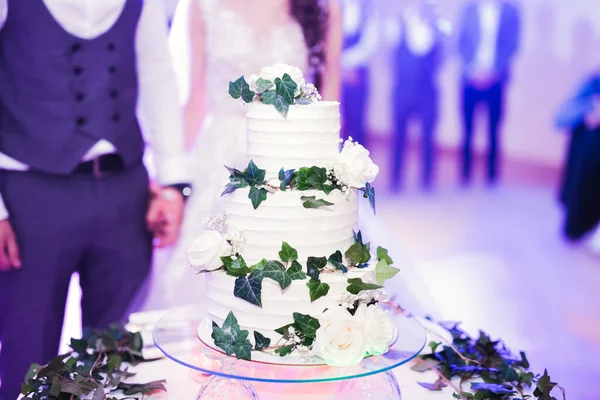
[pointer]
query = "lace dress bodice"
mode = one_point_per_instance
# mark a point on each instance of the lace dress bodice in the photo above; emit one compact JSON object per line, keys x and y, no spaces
{"x":235,"y":47}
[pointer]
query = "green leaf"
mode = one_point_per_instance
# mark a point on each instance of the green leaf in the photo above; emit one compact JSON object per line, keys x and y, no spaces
{"x":356,"y":286}
{"x":336,"y":259}
{"x":260,"y":265}
{"x":358,"y":254}
{"x":254,"y":175}
{"x":306,"y":324}
{"x":231,"y":339}
{"x":317,"y":289}
{"x":384,"y":272}
{"x":269,"y":97}
{"x":288,"y":253}
{"x":302,"y":178}
{"x":235,"y":267}
{"x":283,"y":331}
{"x":312,"y":202}
{"x":243,"y":350}
{"x":286,"y":87}
{"x":130,"y":389}
{"x":257,"y":196}
{"x":382,"y":254}
{"x":295,"y":271}
{"x":249,"y":288}
{"x":234,"y":173}
{"x":260,"y":341}
{"x":284,"y":350}
{"x":328,"y":188}
{"x":276,"y":271}
{"x":317,"y":178}
{"x":232,"y":187}
{"x":314,"y":266}
{"x":282,"y":106}
{"x":114,"y":362}
{"x":286,"y":178}
{"x":262,"y":85}
{"x":240,"y":88}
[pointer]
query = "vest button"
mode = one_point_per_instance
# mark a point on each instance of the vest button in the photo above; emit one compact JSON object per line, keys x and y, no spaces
{"x":80,"y":121}
{"x":114,"y":93}
{"x":111,"y":46}
{"x":80,"y":97}
{"x":112,"y":69}
{"x":116,"y":117}
{"x":78,"y":70}
{"x":76,"y":47}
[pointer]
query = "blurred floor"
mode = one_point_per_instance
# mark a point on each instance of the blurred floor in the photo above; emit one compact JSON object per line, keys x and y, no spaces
{"x":494,"y":259}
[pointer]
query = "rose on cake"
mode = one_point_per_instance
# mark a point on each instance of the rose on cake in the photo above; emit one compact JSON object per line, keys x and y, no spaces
{"x":353,"y":166}
{"x":379,"y":329}
{"x":340,"y":340}
{"x":206,"y":251}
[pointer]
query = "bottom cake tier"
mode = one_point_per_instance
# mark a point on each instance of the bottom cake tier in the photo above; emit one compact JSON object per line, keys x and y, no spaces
{"x":277,"y":305}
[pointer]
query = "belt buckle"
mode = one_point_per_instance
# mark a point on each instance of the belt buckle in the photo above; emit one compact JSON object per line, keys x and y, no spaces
{"x":97,"y":172}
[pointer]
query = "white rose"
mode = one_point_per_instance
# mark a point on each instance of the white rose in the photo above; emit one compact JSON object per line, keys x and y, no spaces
{"x":340,"y":340}
{"x":379,"y":329}
{"x":278,"y":70}
{"x":353,"y":166}
{"x":205,"y":252}
{"x":251,"y":81}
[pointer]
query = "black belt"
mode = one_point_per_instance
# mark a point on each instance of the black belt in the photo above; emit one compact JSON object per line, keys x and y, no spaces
{"x":101,"y":166}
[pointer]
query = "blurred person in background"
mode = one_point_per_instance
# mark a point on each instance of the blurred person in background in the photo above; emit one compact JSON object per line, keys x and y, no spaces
{"x":214,"y":42}
{"x":580,"y":189}
{"x":360,"y":42}
{"x":417,"y":36}
{"x":489,"y":38}
{"x":75,"y":196}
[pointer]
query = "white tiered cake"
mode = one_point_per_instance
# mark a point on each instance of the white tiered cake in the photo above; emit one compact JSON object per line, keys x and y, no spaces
{"x":285,"y":260}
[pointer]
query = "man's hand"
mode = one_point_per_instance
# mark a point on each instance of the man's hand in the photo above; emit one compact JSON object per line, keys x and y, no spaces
{"x":592,"y":119}
{"x":9,"y":250}
{"x":165,"y":215}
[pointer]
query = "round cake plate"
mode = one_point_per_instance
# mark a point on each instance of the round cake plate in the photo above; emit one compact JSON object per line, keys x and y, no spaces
{"x":176,"y":335}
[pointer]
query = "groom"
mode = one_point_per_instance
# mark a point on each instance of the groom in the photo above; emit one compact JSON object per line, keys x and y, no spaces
{"x":74,"y":192}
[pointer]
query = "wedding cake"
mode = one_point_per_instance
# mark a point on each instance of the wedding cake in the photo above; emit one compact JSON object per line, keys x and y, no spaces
{"x":287,"y":271}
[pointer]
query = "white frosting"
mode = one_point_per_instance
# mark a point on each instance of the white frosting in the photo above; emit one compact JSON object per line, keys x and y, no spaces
{"x":277,"y":305}
{"x":281,"y":217}
{"x":308,"y":136}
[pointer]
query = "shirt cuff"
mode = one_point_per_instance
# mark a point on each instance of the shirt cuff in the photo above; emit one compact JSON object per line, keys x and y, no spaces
{"x":3,"y":211}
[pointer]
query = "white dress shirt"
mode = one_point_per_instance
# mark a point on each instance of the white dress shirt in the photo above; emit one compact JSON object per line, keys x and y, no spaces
{"x":420,"y":34}
{"x":158,"y":100}
{"x":360,"y":54}
{"x":489,"y":23}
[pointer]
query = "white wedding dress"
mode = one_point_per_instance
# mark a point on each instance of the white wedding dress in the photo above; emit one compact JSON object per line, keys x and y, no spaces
{"x":235,"y":46}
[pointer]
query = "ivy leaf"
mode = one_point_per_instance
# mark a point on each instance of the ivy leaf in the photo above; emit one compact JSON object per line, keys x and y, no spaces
{"x":328,"y":188}
{"x":262,"y":85}
{"x":384,"y":272}
{"x":314,"y":266}
{"x":295,"y":271}
{"x":302,"y":178}
{"x":358,"y":254}
{"x":286,"y":87}
{"x":235,"y":267}
{"x":317,"y":289}
{"x":288,"y":253}
{"x":130,"y":389}
{"x":492,"y":388}
{"x":276,"y":271}
{"x":283,"y":331}
{"x":257,"y":196}
{"x":281,"y":105}
{"x":284,"y":350}
{"x":544,"y":387}
{"x":313,"y":202}
{"x":369,"y":193}
{"x":260,"y":341}
{"x":382,"y":254}
{"x":226,"y":336}
{"x":249,"y":288}
{"x":435,"y":386}
{"x":254,"y":175}
{"x":232,"y":187}
{"x":317,"y":179}
{"x":356,"y":286}
{"x":336,"y":259}
{"x":240,"y":88}
{"x":260,"y":265}
{"x":235,"y":173}
{"x":306,"y":324}
{"x":286,"y":178}
{"x":269,"y":97}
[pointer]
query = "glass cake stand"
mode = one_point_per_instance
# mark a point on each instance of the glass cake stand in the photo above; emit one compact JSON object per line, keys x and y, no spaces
{"x":176,"y":335}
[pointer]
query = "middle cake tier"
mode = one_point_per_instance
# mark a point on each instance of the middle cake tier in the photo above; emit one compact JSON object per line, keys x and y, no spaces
{"x":282,"y":218}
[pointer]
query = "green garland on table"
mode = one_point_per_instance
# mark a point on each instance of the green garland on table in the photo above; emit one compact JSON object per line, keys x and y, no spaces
{"x":95,"y":368}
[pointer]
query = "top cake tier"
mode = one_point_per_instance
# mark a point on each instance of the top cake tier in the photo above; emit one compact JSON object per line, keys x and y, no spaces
{"x":309,"y":136}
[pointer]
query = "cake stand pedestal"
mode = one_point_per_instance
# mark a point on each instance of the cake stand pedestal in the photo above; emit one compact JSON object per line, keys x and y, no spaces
{"x":176,"y":335}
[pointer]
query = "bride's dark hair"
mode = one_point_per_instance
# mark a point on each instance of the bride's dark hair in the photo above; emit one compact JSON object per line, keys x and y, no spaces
{"x":312,"y":15}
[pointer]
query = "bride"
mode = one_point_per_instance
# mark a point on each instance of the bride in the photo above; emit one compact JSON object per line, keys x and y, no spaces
{"x":213,"y":42}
